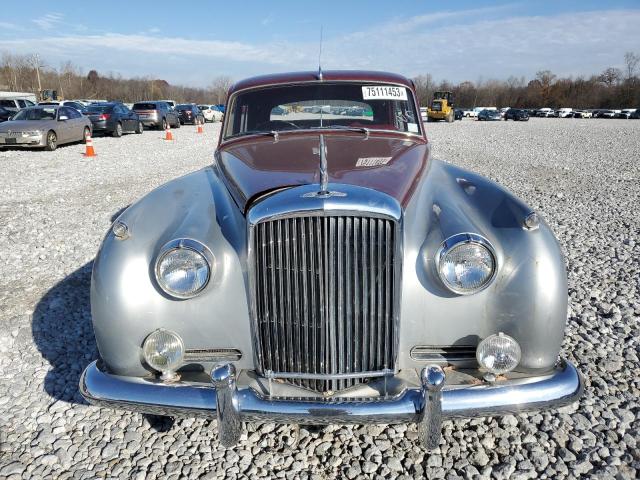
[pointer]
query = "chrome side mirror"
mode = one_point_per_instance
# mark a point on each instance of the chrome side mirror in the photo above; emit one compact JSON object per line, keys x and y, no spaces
{"x":63,"y":118}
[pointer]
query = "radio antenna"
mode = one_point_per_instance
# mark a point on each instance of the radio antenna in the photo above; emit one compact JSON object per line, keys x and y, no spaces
{"x":320,"y":57}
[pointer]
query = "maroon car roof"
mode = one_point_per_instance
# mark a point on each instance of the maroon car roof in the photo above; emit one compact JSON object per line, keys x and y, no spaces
{"x":329,"y":75}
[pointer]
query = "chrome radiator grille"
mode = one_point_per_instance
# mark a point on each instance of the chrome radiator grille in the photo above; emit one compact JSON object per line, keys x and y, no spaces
{"x":325,"y":299}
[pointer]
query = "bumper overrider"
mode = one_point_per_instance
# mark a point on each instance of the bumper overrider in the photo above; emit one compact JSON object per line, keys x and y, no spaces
{"x":427,"y":406}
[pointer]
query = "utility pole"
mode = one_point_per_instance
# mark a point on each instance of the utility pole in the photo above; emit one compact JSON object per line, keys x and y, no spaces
{"x":36,"y":61}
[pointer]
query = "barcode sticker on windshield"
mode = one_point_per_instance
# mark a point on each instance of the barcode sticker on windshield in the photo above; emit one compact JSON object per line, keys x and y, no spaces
{"x":383,"y":92}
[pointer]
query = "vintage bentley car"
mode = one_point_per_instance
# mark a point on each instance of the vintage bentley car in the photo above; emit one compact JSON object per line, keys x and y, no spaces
{"x":325,"y":269}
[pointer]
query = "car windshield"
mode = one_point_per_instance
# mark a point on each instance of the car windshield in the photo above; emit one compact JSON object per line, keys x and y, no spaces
{"x":322,"y":105}
{"x":144,"y":106}
{"x":183,"y":107}
{"x":203,"y":107}
{"x":36,"y":114}
{"x":98,"y":108}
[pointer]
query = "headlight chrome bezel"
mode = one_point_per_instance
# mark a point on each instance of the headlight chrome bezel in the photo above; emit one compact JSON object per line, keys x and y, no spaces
{"x":189,"y":244}
{"x":459,"y":239}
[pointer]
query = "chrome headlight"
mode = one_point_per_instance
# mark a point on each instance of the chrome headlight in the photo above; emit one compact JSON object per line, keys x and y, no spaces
{"x":183,"y":268}
{"x":498,"y":354}
{"x":163,"y":350}
{"x":466,"y":263}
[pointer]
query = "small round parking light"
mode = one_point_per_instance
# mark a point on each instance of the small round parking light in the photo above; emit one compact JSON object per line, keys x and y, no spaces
{"x":163,"y":350}
{"x":498,"y":354}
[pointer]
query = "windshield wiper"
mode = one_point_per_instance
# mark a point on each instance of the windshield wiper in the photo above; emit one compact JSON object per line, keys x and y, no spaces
{"x":344,"y":127}
{"x":273,"y":133}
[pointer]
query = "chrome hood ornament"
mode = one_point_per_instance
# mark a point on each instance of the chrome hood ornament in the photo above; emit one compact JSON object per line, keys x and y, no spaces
{"x":324,"y":176}
{"x":324,"y":191}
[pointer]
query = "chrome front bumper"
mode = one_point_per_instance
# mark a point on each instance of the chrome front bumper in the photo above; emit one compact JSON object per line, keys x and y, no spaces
{"x":427,"y":406}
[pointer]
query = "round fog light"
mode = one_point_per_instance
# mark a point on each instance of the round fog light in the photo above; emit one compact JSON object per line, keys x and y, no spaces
{"x":498,"y":354}
{"x":164,"y":350}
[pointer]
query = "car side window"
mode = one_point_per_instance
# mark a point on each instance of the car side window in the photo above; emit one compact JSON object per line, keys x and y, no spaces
{"x":22,"y":103}
{"x":72,"y":112}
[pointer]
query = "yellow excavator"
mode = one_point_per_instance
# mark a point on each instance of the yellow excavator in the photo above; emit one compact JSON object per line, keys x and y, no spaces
{"x":441,"y":107}
{"x":50,"y":96}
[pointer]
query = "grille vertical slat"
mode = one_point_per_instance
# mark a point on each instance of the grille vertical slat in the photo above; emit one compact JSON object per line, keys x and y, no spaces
{"x":372,"y":295}
{"x":325,"y":296}
{"x":387,"y":296}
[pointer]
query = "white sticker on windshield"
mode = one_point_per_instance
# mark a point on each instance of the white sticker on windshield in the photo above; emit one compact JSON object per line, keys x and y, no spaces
{"x":383,"y":92}
{"x":412,"y":127}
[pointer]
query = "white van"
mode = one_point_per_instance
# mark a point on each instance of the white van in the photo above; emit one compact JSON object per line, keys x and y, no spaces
{"x":14,"y":101}
{"x":565,"y":112}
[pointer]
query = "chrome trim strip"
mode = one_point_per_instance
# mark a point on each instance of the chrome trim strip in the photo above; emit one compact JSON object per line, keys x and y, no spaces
{"x":212,"y":355}
{"x":292,"y":202}
{"x":148,"y":395}
{"x":334,"y":376}
{"x":325,"y":130}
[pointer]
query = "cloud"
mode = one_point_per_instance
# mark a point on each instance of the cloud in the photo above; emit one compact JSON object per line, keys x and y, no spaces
{"x":569,"y":44}
{"x":488,"y":42}
{"x":49,"y":20}
{"x":9,"y":26}
{"x":267,"y":20}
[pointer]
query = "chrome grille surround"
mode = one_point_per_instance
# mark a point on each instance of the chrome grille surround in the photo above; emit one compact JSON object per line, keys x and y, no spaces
{"x":304,"y":328}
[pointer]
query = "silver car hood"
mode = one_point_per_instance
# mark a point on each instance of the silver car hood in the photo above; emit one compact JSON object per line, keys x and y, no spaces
{"x":22,"y":125}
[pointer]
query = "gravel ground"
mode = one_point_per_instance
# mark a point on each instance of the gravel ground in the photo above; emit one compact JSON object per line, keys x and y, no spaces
{"x":582,"y":175}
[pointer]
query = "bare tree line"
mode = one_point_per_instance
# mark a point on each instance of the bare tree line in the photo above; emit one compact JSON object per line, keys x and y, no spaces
{"x":612,"y":88}
{"x":26,"y":73}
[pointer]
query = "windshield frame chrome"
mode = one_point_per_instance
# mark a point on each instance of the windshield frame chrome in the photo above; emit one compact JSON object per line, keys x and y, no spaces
{"x":227,"y":138}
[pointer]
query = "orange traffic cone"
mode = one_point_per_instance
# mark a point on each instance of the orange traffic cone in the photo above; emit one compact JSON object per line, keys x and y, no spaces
{"x":89,"y":151}
{"x":168,"y":135}
{"x":200,"y":129}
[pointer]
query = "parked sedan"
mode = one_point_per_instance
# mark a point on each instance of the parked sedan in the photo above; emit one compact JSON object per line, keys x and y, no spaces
{"x":544,"y":112}
{"x":489,"y":115}
{"x":67,"y":103}
{"x":326,"y":271}
{"x":44,"y":126}
{"x":15,"y":104}
{"x":606,"y":114}
{"x":210,"y":113}
{"x":458,"y":113}
{"x":157,"y":114}
{"x":114,"y":118}
{"x":582,"y":114}
{"x":5,"y":114}
{"x":626,"y":113}
{"x":516,"y":114}
{"x":635,"y":115}
{"x":189,"y":113}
